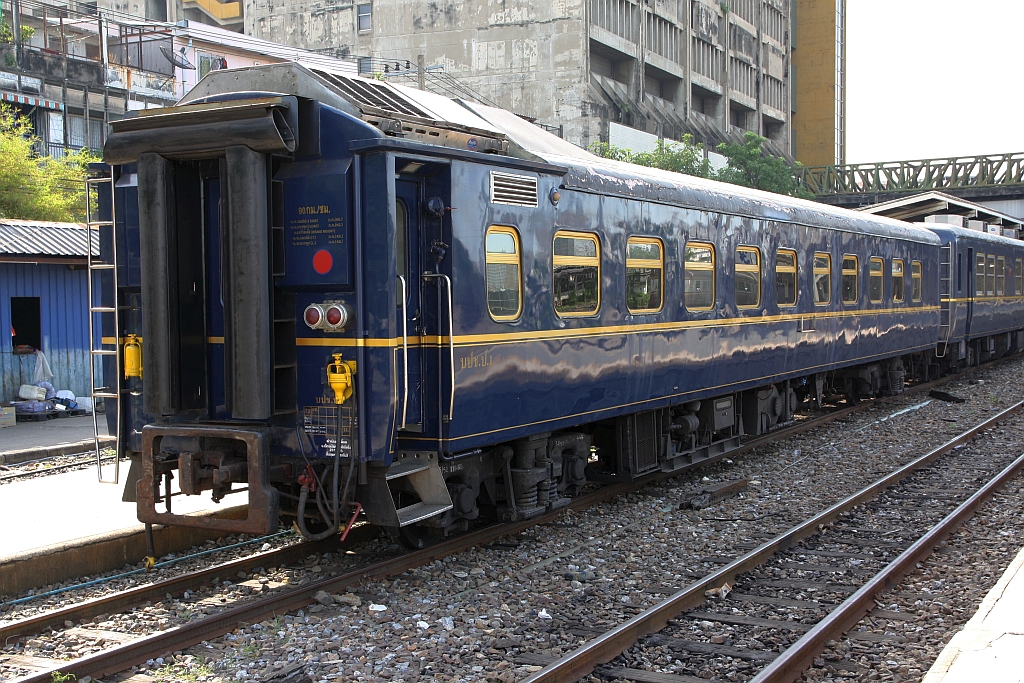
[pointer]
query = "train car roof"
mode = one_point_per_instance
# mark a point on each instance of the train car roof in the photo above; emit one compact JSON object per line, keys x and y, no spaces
{"x":503,"y":133}
{"x":967,"y":233}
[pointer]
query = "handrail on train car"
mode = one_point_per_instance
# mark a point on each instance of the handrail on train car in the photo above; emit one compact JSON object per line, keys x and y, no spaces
{"x":451,"y":335}
{"x":405,"y":355}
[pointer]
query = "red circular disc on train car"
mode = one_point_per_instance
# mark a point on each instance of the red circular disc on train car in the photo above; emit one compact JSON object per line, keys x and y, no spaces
{"x":323,"y":262}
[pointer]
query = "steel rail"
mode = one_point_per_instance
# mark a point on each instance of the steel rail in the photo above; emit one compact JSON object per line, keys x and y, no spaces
{"x":154,"y":645}
{"x":791,"y":664}
{"x":123,"y":600}
{"x":607,"y":646}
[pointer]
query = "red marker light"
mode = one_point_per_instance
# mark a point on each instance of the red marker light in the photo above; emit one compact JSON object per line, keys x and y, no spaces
{"x":333,"y":316}
{"x":313,"y":315}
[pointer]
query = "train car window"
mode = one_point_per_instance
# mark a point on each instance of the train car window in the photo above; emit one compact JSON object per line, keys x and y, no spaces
{"x":699,"y":277}
{"x":1018,"y":275}
{"x":990,"y":275}
{"x":645,"y":268}
{"x":915,"y":281}
{"x":850,"y":289}
{"x":875,"y":283}
{"x":1000,"y":275}
{"x":897,"y":280}
{"x":503,"y":273}
{"x":576,"y":271}
{"x":785,"y":277}
{"x":748,"y":277}
{"x":979,"y":276}
{"x":822,"y":278}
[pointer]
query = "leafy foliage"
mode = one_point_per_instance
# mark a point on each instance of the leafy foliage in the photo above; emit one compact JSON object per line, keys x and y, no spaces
{"x":751,"y":167}
{"x":681,"y":157}
{"x":747,"y":165}
{"x":34,"y":187}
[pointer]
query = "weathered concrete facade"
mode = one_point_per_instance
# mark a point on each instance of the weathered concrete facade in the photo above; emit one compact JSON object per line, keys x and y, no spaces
{"x":668,"y":67}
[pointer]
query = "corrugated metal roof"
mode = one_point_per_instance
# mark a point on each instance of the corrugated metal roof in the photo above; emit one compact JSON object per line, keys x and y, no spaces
{"x":44,"y":238}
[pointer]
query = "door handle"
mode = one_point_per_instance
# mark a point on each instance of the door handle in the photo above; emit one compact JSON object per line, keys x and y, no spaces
{"x":405,"y":354}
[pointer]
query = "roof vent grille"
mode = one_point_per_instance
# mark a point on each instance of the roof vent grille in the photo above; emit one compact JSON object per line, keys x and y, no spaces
{"x":518,"y":190}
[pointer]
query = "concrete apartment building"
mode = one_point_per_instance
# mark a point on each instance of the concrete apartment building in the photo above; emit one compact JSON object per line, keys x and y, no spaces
{"x":668,"y":67}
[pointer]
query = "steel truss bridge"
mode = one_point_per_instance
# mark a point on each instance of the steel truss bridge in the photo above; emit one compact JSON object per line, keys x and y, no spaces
{"x":992,"y":176}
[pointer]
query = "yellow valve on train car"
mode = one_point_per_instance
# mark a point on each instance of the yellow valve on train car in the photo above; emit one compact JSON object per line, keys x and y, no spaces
{"x":339,"y":377}
{"x":133,"y":356}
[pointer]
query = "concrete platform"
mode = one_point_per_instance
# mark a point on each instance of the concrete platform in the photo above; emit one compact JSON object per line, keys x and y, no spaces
{"x":33,"y":440}
{"x":990,"y":647}
{"x":59,"y":508}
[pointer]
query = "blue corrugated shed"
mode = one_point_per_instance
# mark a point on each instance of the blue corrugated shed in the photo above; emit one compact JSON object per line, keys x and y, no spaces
{"x":27,"y":269}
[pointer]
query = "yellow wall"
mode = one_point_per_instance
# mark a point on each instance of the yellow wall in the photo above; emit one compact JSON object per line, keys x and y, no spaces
{"x":814,"y":62}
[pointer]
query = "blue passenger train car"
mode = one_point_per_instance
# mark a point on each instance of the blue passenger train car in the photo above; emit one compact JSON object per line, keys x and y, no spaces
{"x":355,"y":296}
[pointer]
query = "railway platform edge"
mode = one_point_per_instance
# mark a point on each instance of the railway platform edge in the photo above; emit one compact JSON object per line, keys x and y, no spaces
{"x":989,"y":645}
{"x":98,"y":554}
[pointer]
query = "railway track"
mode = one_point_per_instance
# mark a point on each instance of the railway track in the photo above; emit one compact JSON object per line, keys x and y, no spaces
{"x":773,"y":610}
{"x":125,"y":655}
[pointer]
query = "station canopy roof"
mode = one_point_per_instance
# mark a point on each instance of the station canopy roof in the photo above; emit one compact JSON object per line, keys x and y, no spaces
{"x":916,"y":208}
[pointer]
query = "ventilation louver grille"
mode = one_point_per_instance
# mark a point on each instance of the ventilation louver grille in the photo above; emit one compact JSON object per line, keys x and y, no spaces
{"x":518,"y":190}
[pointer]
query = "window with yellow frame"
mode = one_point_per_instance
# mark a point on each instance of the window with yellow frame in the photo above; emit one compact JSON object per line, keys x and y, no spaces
{"x":1000,"y":275}
{"x":876,"y":280}
{"x":699,"y":276}
{"x":645,"y":279}
{"x":785,"y":277}
{"x":897,"y":280}
{"x":503,"y":273}
{"x":1018,"y":276}
{"x":822,"y":282}
{"x":748,"y":277}
{"x":576,"y":273}
{"x":915,"y":281}
{"x":851,"y":291}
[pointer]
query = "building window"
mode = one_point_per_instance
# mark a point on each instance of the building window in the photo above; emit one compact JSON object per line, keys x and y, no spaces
{"x":208,"y":63}
{"x":822,"y":278}
{"x":25,"y":322}
{"x":576,"y":274}
{"x":915,"y":281}
{"x":1000,"y":276}
{"x":897,"y":280}
{"x":785,"y":277}
{"x":875,"y":282}
{"x":363,"y":18}
{"x":645,"y":267}
{"x":699,"y":277}
{"x":504,"y":280}
{"x":748,"y":277}
{"x":850,"y":290}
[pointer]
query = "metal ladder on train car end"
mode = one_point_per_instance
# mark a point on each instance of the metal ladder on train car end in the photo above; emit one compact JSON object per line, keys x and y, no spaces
{"x":947,"y":306}
{"x":96,"y":267}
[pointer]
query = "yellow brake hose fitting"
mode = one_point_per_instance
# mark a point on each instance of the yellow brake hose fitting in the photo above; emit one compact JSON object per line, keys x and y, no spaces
{"x":339,"y":377}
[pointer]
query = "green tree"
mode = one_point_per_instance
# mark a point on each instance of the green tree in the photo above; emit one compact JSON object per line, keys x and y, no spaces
{"x":682,"y":157}
{"x":34,"y":187}
{"x":749,"y":166}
